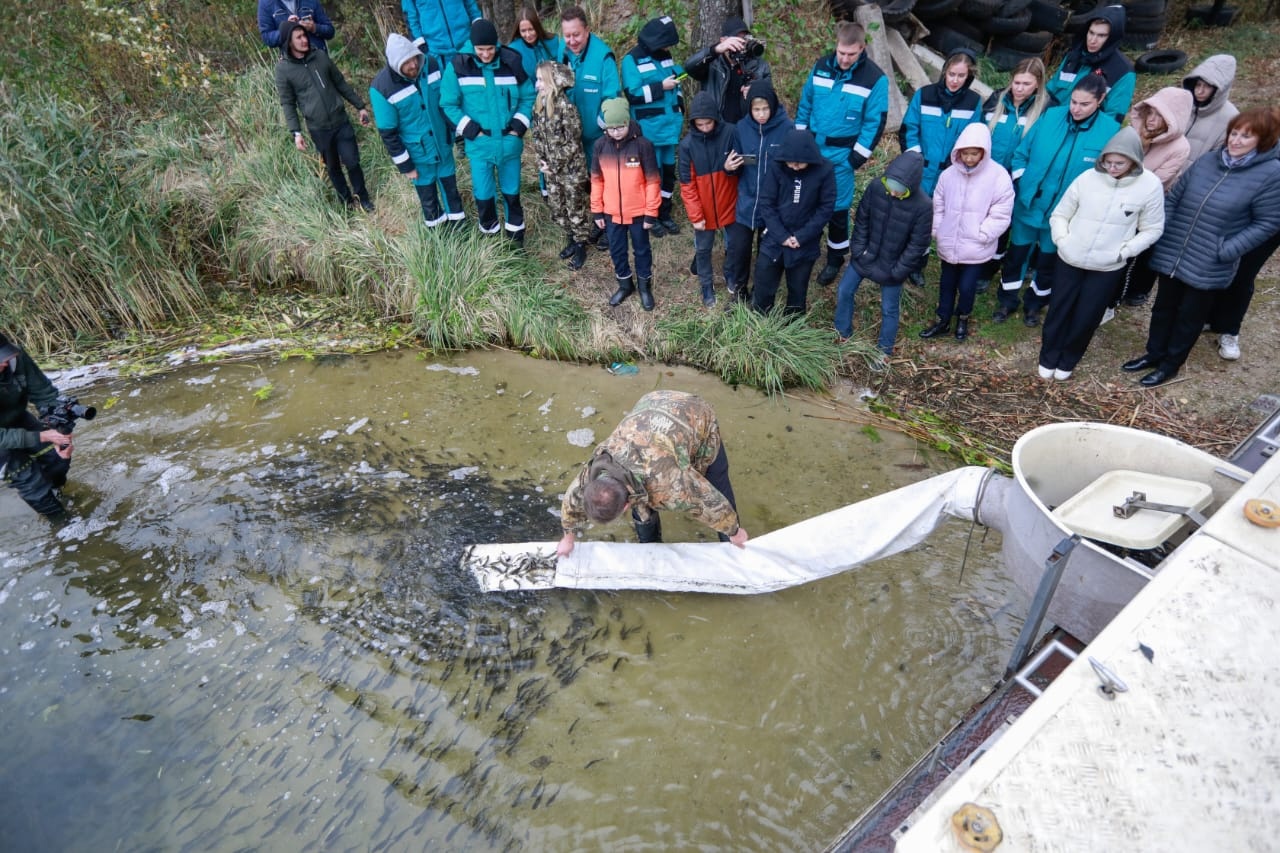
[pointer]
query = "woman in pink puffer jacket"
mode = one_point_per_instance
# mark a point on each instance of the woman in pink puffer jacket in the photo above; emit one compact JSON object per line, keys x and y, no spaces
{"x":972,"y":206}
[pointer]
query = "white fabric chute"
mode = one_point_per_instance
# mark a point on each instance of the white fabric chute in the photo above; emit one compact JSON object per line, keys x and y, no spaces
{"x":806,"y":551}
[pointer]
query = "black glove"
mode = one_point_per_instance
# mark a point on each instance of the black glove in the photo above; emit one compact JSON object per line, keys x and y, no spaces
{"x":472,"y":130}
{"x":856,"y":160}
{"x":516,"y":127}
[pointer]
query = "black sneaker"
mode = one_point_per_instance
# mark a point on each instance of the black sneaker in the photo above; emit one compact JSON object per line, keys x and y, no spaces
{"x":366,"y":205}
{"x":1031,"y":319}
{"x":1000,"y":315}
{"x":669,"y":225}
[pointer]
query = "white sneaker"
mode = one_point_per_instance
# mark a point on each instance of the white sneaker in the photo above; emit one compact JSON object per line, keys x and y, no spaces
{"x":1046,"y":372}
{"x":1229,"y":347}
{"x":1062,"y":374}
{"x":1107,"y":316}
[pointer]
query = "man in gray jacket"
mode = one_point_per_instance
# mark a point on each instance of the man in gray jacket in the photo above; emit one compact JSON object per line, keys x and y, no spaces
{"x":309,"y":83}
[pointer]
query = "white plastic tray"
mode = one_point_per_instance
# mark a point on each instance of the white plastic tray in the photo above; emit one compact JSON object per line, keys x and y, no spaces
{"x":1089,"y":511}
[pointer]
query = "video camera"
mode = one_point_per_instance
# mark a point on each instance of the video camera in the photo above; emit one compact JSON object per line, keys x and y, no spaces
{"x":64,"y":413}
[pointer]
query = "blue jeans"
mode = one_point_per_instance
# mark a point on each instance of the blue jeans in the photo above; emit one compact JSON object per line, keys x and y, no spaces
{"x":639,"y":237}
{"x":957,"y":287}
{"x":704,"y":242}
{"x":890,"y":300}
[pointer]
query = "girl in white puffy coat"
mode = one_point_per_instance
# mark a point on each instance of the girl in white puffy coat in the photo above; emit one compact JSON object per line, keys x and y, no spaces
{"x":972,"y":207}
{"x":1108,"y":215}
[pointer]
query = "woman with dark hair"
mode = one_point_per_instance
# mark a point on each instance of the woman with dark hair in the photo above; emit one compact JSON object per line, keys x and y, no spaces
{"x":531,"y":41}
{"x":1226,"y":205}
{"x":1064,"y":142}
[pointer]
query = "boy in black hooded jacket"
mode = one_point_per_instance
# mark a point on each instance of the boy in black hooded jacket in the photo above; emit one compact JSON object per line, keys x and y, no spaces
{"x":891,"y":232}
{"x":797,"y":198}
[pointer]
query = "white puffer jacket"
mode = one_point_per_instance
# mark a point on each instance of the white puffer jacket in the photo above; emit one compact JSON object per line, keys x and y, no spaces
{"x":1102,"y":221}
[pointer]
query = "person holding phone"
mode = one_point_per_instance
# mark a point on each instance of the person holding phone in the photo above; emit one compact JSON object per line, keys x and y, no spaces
{"x":308,"y":14}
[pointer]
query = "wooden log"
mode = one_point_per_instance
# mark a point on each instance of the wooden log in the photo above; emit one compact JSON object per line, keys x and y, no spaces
{"x":878,"y":49}
{"x":905,"y":61}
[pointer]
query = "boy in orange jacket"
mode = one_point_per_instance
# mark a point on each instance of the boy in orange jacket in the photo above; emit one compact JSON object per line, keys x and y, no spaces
{"x":710,"y":193}
{"x":625,"y":194}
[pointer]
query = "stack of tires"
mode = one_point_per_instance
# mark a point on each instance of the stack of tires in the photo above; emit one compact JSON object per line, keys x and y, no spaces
{"x":1007,"y":31}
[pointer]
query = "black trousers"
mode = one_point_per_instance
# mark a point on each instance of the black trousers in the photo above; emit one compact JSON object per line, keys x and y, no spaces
{"x":1036,"y":295}
{"x":740,"y":243}
{"x":717,"y":475}
{"x":1177,"y":318}
{"x":337,"y":147}
{"x":769,"y":273}
{"x":1233,"y":303}
{"x":1080,"y":297}
{"x":35,"y":472}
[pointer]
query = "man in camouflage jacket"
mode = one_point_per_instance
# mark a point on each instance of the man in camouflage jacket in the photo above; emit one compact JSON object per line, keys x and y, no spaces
{"x":666,"y":454}
{"x":557,"y":132}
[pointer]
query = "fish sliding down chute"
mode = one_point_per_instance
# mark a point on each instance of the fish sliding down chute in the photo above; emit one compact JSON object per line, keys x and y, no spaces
{"x":806,"y":551}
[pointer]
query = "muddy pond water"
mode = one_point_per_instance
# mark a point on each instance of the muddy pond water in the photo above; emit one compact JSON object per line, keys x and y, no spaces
{"x":255,"y":634}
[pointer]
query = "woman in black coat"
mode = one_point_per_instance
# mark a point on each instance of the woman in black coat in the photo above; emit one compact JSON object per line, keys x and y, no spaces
{"x":1227,"y":204}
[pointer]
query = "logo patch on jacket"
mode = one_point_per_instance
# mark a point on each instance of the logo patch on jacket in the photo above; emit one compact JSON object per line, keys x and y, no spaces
{"x":633,"y":162}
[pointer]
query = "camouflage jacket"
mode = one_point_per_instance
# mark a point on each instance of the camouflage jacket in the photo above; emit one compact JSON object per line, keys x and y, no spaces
{"x":557,"y":141}
{"x":667,"y":442}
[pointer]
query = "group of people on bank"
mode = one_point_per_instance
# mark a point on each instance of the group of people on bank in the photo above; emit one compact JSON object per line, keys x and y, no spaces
{"x":1044,"y":181}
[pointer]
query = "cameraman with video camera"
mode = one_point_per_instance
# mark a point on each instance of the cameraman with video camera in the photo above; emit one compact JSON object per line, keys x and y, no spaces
{"x":34,"y":456}
{"x":727,"y":68}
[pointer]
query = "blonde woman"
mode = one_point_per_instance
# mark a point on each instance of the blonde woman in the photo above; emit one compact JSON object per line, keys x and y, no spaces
{"x":557,"y":135}
{"x":1012,"y":111}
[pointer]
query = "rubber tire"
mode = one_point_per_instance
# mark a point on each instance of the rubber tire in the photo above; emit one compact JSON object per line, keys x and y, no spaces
{"x":896,"y":11}
{"x":1144,"y":25}
{"x":1144,"y":9}
{"x":1031,"y":41}
{"x":1008,"y":26}
{"x":1205,"y":16}
{"x":935,"y":10}
{"x":1012,"y":7}
{"x":979,"y":10}
{"x":965,"y":27}
{"x":1006,"y":58}
{"x":945,"y":40}
{"x":1160,"y":62}
{"x":1047,"y":16}
{"x":1140,"y":41}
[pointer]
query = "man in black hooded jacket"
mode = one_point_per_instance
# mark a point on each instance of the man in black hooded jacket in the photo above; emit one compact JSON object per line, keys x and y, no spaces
{"x":34,"y":458}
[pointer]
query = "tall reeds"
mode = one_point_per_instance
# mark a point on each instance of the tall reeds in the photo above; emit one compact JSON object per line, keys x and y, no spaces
{"x":84,"y":250}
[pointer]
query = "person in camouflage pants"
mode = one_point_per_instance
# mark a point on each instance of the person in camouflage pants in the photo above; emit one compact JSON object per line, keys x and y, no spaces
{"x":557,"y":135}
{"x":666,"y":454}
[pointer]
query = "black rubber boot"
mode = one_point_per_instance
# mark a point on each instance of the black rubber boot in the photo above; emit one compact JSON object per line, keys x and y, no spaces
{"x":645,"y":286}
{"x":939,"y":328}
{"x":567,"y":252}
{"x":487,"y":213}
{"x":626,"y":287}
{"x":830,"y":272}
{"x":579,"y":256}
{"x":648,"y":531}
{"x":515,"y":219}
{"x":962,"y":327}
